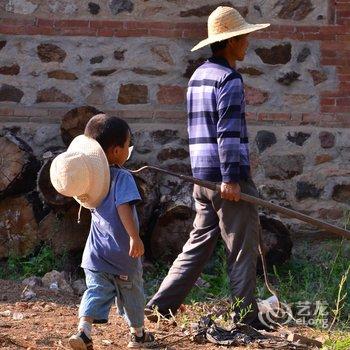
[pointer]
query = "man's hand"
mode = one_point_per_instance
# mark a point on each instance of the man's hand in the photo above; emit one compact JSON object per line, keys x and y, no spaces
{"x":231,"y":191}
{"x":136,"y":247}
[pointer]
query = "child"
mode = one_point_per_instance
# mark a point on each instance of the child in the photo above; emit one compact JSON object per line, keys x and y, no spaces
{"x":111,"y":258}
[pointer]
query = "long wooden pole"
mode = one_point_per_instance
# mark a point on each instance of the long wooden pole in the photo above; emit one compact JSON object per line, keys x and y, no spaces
{"x":255,"y":200}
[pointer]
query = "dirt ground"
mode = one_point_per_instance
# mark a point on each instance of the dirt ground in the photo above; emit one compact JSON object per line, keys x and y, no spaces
{"x":50,"y":319}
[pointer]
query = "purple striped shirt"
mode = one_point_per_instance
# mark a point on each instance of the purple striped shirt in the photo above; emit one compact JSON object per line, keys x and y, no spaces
{"x":218,"y":138}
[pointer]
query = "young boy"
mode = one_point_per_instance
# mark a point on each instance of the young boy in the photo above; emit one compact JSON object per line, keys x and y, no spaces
{"x":111,"y":258}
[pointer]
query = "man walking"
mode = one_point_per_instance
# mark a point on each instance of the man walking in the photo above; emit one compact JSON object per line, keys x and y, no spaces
{"x":219,"y":152}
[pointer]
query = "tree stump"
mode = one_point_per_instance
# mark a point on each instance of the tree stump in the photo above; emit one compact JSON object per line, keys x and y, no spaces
{"x":18,"y":228}
{"x":62,"y":231}
{"x":47,"y":192}
{"x":18,"y":166}
{"x":74,"y":122}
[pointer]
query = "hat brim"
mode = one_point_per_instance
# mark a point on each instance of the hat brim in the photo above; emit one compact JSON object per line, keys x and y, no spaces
{"x":98,"y":166}
{"x":223,"y":36}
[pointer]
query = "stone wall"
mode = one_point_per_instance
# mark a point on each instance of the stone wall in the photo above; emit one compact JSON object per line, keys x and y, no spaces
{"x":132,"y":58}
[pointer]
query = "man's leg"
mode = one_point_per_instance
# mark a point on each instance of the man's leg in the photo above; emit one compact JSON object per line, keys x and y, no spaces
{"x":239,"y":223}
{"x":189,"y":264}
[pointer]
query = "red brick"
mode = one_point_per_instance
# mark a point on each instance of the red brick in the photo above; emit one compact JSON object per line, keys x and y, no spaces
{"x":343,"y":13}
{"x":78,"y":31}
{"x":12,"y":29}
{"x":105,"y":32}
{"x":189,"y":25}
{"x":273,"y":116}
{"x":135,"y":25}
{"x":309,"y":29}
{"x":175,"y":33}
{"x":18,"y":21}
{"x":6,"y":111}
{"x":328,"y":53}
{"x":130,"y":32}
{"x":194,"y":33}
{"x":30,"y":112}
{"x":45,"y":22}
{"x":107,"y":24}
{"x":343,"y":101}
{"x":176,"y":116}
{"x":325,"y":61}
{"x":344,"y":77}
{"x":251,"y":115}
{"x":69,"y":23}
{"x":343,"y":37}
{"x":327,"y":101}
{"x":31,"y":30}
{"x":171,"y":95}
{"x":310,"y":117}
{"x":335,"y":109}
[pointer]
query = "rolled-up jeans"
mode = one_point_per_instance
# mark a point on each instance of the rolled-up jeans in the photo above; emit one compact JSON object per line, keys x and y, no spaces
{"x":237,"y":223}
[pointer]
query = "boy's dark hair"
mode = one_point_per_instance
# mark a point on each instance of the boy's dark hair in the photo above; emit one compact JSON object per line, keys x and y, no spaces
{"x":107,"y":131}
{"x":218,"y":46}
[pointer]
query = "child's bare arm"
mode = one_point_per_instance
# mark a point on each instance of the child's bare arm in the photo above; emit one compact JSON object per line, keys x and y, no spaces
{"x":127,"y":218}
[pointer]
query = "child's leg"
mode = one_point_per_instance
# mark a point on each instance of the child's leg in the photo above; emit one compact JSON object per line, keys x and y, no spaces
{"x":94,"y":307}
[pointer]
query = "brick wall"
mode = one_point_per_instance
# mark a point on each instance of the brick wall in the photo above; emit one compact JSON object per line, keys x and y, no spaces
{"x":132,"y":58}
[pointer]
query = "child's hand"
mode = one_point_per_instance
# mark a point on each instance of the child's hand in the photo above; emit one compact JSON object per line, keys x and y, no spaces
{"x":136,"y":247}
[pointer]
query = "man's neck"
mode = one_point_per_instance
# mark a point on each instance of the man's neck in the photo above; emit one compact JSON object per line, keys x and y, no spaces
{"x":230,"y":60}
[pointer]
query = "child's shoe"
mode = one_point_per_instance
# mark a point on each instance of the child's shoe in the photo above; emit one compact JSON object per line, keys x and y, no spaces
{"x":143,"y":342}
{"x":80,"y":341}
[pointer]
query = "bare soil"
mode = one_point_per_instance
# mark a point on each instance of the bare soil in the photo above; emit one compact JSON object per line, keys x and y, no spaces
{"x":51,"y":318}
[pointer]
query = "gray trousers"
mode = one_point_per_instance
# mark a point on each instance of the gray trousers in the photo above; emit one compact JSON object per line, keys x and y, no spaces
{"x":238,"y":224}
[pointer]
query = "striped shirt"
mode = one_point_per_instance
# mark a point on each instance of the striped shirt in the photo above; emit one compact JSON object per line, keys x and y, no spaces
{"x":218,"y":139}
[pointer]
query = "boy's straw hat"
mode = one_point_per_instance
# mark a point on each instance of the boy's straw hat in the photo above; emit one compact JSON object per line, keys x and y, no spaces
{"x":82,"y":172}
{"x":226,"y":22}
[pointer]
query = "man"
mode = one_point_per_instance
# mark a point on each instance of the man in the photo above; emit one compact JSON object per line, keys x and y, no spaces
{"x":219,"y":152}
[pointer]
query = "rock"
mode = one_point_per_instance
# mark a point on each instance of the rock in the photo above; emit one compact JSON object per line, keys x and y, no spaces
{"x":172,"y":153}
{"x":61,"y":75}
{"x":52,"y":95}
{"x":271,"y":192}
{"x":206,"y":10}
{"x":179,"y":168}
{"x":103,"y":72}
{"x":192,"y":66}
{"x":317,"y":76}
{"x":164,"y":136}
{"x":323,"y":158}
{"x":278,"y":54}
{"x":59,"y":278}
{"x":143,"y":71}
{"x":10,"y":93}
{"x":288,"y":78}
{"x":51,"y":53}
{"x":96,"y":96}
{"x":94,"y":8}
{"x":265,"y":139}
{"x":22,"y":7}
{"x":170,"y":95}
{"x":33,"y":281}
{"x":119,"y":55}
{"x":255,"y":97}
{"x":298,"y":138}
{"x":79,"y":287}
{"x":296,"y":99}
{"x":118,"y":6}
{"x":327,"y":139}
{"x":28,"y":294}
{"x":45,"y":134}
{"x":283,"y":167}
{"x":133,"y":94}
{"x":294,"y":9}
{"x":96,"y":59}
{"x":341,"y":193}
{"x":162,"y":51}
{"x":307,"y":190}
{"x":10,"y":70}
{"x":250,"y":71}
{"x":2,"y":44}
{"x":303,"y":55}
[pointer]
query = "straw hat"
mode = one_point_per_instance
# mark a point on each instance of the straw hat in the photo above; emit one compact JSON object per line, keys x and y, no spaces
{"x":226,"y":22}
{"x":82,"y":172}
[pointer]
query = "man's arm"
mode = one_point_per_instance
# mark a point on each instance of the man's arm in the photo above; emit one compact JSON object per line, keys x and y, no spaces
{"x":230,"y":97}
{"x":127,"y":218}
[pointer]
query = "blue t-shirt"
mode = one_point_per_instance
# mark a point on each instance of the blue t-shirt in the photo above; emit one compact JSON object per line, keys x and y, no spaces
{"x":108,"y":244}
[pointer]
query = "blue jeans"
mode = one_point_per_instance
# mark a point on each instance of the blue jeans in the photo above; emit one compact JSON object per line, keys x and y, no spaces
{"x":104,"y":288}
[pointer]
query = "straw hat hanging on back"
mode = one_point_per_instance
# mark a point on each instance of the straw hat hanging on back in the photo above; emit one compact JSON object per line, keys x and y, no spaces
{"x":82,"y":172}
{"x":226,"y":22}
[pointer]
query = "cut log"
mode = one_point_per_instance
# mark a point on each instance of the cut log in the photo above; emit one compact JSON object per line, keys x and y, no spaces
{"x":47,"y":192}
{"x":18,"y":166}
{"x":276,"y":242}
{"x":61,"y":230}
{"x":18,"y":228}
{"x":74,"y":122}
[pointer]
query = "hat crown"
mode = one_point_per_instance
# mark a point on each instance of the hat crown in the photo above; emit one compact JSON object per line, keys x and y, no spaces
{"x":224,"y":19}
{"x":70,"y":174}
